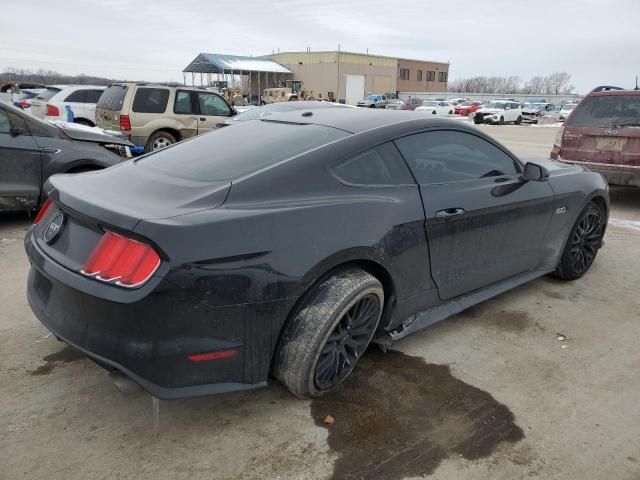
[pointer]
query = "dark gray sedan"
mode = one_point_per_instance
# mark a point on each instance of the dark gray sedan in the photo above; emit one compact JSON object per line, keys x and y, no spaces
{"x":32,"y":150}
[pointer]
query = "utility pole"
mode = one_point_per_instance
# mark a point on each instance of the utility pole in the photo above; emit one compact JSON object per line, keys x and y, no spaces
{"x":338,"y":88}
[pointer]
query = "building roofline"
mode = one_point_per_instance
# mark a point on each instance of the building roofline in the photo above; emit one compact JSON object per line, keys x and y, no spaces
{"x":355,"y":53}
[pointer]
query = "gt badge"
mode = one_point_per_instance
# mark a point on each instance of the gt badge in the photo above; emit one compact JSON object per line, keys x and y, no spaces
{"x":53,"y":229}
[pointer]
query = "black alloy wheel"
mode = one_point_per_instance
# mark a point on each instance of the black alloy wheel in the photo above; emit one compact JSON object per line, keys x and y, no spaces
{"x":585,"y":242}
{"x":347,"y":342}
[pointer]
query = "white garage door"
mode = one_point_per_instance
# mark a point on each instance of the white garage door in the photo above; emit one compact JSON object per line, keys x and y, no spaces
{"x":354,"y":88}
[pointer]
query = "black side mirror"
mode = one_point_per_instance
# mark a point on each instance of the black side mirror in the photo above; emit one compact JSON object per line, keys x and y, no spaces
{"x":16,"y":131}
{"x":534,"y":173}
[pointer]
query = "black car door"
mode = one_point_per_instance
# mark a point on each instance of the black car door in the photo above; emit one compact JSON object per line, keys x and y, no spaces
{"x":483,"y":223}
{"x":20,"y":165}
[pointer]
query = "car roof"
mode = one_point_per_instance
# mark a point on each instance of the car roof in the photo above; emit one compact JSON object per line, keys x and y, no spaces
{"x":357,"y":120}
{"x":609,"y":93}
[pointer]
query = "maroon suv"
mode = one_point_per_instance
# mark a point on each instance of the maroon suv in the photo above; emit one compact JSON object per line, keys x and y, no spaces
{"x":411,"y":104}
{"x":603,"y":134}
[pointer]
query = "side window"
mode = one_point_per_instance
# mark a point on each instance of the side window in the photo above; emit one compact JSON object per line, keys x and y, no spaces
{"x":150,"y":100}
{"x":450,"y":156}
{"x":94,"y":95}
{"x":212,"y":104}
{"x":183,"y":103}
{"x":13,"y":121}
{"x":79,"y":96}
{"x":381,"y":165}
{"x":5,"y":124}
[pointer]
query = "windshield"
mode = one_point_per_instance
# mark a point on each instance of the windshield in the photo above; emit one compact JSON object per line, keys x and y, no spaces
{"x":112,"y":98}
{"x":466,"y":104}
{"x":495,"y":104}
{"x":430,"y":104}
{"x":47,"y":93}
{"x":607,"y":111}
{"x":236,"y":151}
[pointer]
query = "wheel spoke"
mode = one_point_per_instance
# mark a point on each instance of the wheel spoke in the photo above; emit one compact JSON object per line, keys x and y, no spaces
{"x":346,"y":342}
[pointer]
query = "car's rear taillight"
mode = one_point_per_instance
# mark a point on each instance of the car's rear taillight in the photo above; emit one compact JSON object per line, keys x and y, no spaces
{"x":125,"y":123}
{"x":121,"y":261}
{"x":45,"y":206}
{"x":52,"y":111}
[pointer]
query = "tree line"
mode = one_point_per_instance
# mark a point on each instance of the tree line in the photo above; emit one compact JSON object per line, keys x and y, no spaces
{"x":50,"y":77}
{"x":558,"y":83}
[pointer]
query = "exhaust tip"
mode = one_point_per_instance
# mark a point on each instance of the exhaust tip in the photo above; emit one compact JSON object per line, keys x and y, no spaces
{"x":124,"y":384}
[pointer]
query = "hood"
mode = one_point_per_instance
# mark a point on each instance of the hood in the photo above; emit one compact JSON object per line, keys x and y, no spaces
{"x":91,"y":135}
{"x":127,"y":193}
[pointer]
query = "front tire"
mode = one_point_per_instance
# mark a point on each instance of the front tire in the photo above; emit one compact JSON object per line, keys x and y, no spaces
{"x":583,"y":243}
{"x":329,"y":333}
{"x":501,"y":121}
{"x":519,"y":120}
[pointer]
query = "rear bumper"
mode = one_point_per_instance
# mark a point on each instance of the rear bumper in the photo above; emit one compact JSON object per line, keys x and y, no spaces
{"x":627,"y":175}
{"x":149,"y":340}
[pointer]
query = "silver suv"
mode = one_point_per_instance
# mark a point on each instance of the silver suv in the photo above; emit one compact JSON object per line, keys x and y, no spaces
{"x":156,"y":116}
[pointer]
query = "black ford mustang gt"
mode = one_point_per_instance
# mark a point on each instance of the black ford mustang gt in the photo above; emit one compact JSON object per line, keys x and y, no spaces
{"x":284,"y":246}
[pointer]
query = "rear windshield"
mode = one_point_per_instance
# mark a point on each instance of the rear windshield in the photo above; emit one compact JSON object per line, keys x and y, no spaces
{"x":47,"y":93}
{"x":235,"y":151}
{"x":606,"y":112}
{"x":112,"y":98}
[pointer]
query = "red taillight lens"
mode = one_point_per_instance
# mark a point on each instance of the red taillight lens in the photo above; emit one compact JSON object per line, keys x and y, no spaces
{"x":121,"y":260}
{"x":52,"y":111}
{"x":45,"y":206}
{"x":125,"y":123}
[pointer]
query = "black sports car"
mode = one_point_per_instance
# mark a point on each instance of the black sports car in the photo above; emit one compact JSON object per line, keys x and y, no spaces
{"x":31,"y":150}
{"x":283,"y":246}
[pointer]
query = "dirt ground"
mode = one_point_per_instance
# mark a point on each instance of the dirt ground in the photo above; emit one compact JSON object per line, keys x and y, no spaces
{"x":489,"y":394}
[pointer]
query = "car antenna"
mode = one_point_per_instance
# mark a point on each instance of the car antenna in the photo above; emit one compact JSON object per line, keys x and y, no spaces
{"x":636,"y":83}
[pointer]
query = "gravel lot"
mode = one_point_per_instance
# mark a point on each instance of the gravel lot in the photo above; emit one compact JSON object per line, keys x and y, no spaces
{"x":489,"y":394}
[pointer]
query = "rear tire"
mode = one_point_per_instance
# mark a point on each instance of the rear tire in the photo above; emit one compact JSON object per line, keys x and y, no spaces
{"x":583,"y":243}
{"x":477,"y":119}
{"x":329,"y":333}
{"x":159,"y":140}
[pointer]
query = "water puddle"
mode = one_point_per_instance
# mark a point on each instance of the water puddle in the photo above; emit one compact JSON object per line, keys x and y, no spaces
{"x":397,"y":416}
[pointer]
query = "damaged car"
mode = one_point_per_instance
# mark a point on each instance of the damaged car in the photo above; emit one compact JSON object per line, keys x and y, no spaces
{"x":31,"y":150}
{"x":286,"y":256}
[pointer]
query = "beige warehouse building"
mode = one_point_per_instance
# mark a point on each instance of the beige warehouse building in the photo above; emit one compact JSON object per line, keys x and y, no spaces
{"x":350,"y":76}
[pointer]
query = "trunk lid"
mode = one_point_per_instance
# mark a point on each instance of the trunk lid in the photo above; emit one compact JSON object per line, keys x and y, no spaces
{"x":117,"y":199}
{"x":126,"y":193}
{"x":605,"y":129}
{"x":39,"y":103}
{"x":109,"y":107}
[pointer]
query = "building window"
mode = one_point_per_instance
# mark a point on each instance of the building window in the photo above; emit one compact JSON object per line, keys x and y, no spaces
{"x":442,"y":76}
{"x":419,"y":75}
{"x":404,"y":74}
{"x":431,"y":76}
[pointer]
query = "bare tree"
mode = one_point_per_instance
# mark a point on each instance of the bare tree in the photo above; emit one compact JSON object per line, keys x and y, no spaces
{"x":558,"y":83}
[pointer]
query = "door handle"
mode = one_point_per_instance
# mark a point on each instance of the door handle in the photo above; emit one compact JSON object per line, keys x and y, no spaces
{"x":202,"y":119}
{"x":449,"y":214}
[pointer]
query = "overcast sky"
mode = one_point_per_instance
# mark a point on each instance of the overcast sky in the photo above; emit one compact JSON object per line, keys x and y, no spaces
{"x":597,"y":42}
